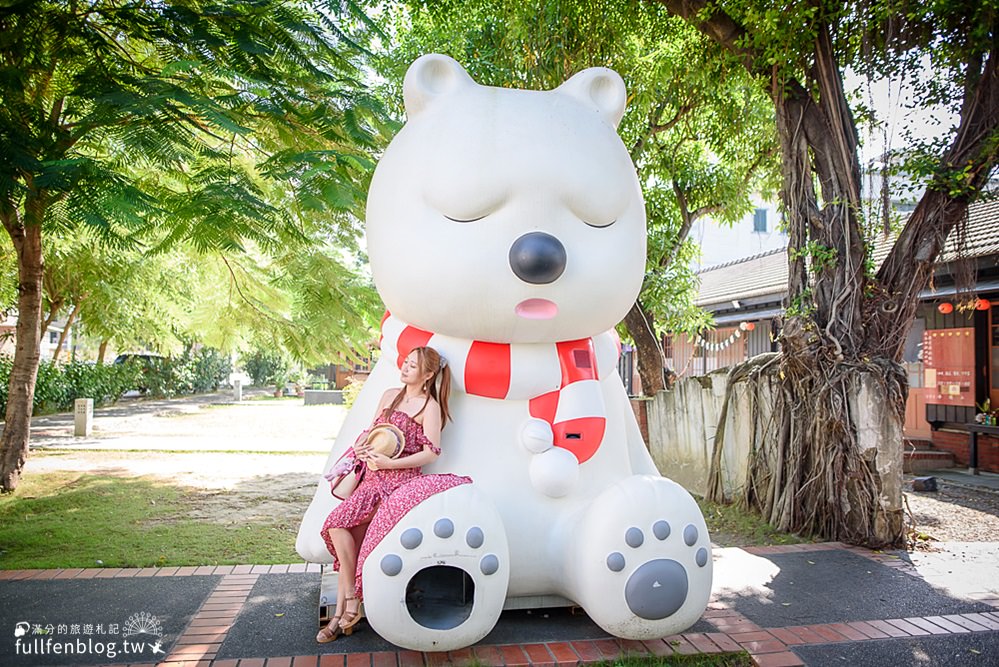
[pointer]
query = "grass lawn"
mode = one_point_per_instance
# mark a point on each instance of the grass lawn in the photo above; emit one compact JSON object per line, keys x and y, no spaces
{"x":734,"y":527}
{"x":75,"y":519}
{"x":60,"y":520}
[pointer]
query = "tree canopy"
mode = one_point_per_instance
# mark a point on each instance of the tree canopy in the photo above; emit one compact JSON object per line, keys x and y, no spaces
{"x":231,"y":128}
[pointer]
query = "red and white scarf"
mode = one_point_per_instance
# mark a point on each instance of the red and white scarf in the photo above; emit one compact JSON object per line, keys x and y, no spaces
{"x":561,"y":381}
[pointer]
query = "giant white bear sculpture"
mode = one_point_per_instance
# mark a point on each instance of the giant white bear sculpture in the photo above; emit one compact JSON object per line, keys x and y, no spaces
{"x":506,"y":229}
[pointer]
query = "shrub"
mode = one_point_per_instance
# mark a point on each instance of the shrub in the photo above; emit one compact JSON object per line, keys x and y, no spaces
{"x":58,"y":385}
{"x":51,"y":389}
{"x":350,"y":391}
{"x":266,"y":367}
{"x":6,"y":363}
{"x":196,"y":373}
{"x":211,"y":369}
{"x":105,"y":383}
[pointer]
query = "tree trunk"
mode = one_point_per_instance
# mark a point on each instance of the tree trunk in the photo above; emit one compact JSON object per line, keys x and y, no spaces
{"x":830,"y":483}
{"x":65,"y":332}
{"x":54,"y":308}
{"x":828,"y":467}
{"x":651,"y":364}
{"x":818,"y":472}
{"x":27,"y":237}
{"x":640,"y":323}
{"x":101,"y":351}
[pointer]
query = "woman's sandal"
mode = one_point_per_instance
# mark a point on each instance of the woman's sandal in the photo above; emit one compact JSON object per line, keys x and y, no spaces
{"x":352,"y":617}
{"x":330,"y":632}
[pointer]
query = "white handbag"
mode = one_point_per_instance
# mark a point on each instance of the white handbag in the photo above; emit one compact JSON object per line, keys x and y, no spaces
{"x":345,"y":475}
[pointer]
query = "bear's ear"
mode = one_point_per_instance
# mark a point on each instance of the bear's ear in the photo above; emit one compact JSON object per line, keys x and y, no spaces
{"x":599,"y":88}
{"x":431,"y":76}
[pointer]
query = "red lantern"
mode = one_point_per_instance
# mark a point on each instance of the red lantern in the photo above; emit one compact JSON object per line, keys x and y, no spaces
{"x":983,"y":304}
{"x":750,"y":326}
{"x":946,"y":308}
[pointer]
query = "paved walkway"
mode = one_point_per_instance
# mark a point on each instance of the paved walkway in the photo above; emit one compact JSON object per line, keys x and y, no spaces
{"x":982,"y":481}
{"x":158,"y":425}
{"x":814,"y":604}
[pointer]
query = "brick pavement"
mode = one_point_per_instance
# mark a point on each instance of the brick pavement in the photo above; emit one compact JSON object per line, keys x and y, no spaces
{"x":767,"y":647}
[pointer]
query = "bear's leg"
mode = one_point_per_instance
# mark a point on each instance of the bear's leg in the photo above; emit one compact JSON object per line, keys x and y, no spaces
{"x":438,"y":580}
{"x":640,"y":564}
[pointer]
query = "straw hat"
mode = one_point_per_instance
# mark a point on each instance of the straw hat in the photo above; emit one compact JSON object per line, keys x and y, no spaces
{"x":386,"y":439}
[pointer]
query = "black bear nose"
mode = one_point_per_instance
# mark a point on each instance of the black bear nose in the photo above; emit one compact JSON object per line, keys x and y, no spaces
{"x":537,"y":258}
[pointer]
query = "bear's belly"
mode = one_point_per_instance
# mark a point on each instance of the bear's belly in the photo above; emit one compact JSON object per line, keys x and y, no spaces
{"x":483,"y":442}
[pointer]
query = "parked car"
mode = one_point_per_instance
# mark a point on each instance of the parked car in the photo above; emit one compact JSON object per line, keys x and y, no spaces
{"x":141,"y":357}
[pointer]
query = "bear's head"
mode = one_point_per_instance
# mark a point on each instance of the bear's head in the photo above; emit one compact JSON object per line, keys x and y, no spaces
{"x":507,"y":215}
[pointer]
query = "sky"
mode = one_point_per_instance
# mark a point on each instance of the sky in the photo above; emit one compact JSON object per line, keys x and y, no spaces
{"x":892,"y":101}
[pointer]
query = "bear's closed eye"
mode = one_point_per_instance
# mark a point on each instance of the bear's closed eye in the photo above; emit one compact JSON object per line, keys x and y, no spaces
{"x":464,"y":220}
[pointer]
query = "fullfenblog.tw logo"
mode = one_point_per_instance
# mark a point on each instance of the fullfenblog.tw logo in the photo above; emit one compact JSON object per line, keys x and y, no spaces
{"x":145,"y":624}
{"x":141,"y":634}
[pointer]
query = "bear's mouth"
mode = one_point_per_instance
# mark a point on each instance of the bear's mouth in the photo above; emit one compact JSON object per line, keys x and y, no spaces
{"x":536,"y":309}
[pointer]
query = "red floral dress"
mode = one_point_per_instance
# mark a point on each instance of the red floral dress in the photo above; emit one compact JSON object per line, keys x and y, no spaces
{"x":385,"y":496}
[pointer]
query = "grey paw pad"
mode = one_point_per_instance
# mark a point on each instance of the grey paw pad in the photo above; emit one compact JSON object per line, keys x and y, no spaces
{"x":411,"y":538}
{"x":701,"y":558}
{"x":615,"y":562}
{"x":634,"y":538}
{"x":489,"y":564}
{"x":474,"y":537}
{"x":444,"y":528}
{"x":661,"y":530}
{"x":690,"y":535}
{"x":657,"y":589}
{"x":391,"y":565}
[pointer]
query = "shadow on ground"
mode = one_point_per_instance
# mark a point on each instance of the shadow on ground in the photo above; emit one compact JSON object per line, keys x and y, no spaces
{"x":835,"y":586}
{"x":281,"y":617}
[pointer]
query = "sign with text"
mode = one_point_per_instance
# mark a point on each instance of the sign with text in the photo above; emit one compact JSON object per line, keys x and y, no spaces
{"x":949,"y":366}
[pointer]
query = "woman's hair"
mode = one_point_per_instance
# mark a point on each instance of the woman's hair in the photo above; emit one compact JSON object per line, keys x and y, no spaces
{"x":428,"y":360}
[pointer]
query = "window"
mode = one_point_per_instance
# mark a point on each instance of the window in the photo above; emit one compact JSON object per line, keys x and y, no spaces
{"x":760,"y":220}
{"x":53,"y":337}
{"x":667,"y":346}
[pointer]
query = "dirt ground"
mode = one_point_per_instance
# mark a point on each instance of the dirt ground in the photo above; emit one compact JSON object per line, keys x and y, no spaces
{"x":255,"y":462}
{"x":954,"y":513}
{"x":275,"y":486}
{"x":220,"y":488}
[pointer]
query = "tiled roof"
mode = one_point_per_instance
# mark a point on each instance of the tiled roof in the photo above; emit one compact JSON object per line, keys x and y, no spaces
{"x":758,"y":275}
{"x":766,"y":273}
{"x":983,"y":232}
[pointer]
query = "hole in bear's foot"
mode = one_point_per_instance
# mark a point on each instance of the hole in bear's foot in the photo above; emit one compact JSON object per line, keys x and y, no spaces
{"x":440,"y":597}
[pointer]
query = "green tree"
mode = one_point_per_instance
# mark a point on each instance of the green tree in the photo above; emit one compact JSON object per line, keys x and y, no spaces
{"x":74,"y":266}
{"x":166,"y":123}
{"x":311,"y":299}
{"x":130,"y":298}
{"x":307,"y":302}
{"x":844,"y":319}
{"x":699,"y":131}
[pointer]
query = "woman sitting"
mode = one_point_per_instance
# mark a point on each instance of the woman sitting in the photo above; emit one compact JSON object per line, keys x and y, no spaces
{"x":419,"y":409}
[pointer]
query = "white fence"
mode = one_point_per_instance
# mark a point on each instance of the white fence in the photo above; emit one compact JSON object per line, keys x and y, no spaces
{"x":683,"y":422}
